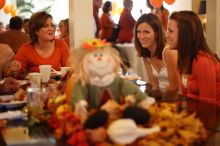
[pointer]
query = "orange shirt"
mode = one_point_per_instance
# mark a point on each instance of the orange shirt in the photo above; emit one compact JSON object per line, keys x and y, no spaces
{"x":204,"y":81}
{"x":66,"y":39}
{"x":30,"y":59}
{"x":107,"y":26}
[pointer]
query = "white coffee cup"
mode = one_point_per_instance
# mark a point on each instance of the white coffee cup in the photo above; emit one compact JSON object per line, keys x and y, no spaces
{"x":45,"y":71}
{"x":35,"y":79}
{"x":64,"y":70}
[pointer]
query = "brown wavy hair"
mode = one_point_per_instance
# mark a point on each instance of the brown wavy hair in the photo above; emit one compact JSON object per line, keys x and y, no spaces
{"x":37,"y":21}
{"x":191,"y":39}
{"x":156,"y":25}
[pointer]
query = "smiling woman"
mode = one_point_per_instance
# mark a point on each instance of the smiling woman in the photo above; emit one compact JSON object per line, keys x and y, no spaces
{"x":160,"y":61}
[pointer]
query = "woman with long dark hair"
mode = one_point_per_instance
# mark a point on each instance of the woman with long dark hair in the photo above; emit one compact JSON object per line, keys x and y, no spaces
{"x":199,"y":67}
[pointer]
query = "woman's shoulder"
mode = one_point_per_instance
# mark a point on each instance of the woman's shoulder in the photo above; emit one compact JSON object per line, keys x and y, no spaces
{"x":203,"y":57}
{"x":168,"y":52}
{"x":169,"y":56}
{"x":26,"y":46}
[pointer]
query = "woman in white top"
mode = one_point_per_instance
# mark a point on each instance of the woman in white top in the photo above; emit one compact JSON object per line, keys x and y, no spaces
{"x":160,"y":61}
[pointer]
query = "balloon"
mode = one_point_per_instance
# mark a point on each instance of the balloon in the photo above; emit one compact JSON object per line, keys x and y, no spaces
{"x":7,"y":9}
{"x":119,"y":10}
{"x":156,"y":3}
{"x":13,"y":7}
{"x":169,"y":2}
{"x":2,"y":3}
{"x":13,"y":12}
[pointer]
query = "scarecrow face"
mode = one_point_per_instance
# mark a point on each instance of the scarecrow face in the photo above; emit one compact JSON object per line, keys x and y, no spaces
{"x":99,"y":63}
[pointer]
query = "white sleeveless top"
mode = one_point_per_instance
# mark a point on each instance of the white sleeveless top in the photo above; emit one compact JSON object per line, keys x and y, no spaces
{"x":161,"y":76}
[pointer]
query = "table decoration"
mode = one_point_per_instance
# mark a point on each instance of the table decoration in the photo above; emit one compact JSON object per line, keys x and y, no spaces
{"x":178,"y":127}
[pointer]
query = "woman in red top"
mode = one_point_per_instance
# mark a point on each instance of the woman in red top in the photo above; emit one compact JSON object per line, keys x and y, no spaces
{"x":107,"y":23}
{"x":126,"y":23}
{"x":200,"y":68}
{"x":43,"y":48}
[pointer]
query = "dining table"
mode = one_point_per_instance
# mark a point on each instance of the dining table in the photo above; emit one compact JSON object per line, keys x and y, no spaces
{"x":18,"y":133}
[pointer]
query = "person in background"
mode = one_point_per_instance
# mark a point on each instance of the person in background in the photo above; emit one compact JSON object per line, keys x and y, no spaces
{"x":126,"y":23}
{"x":42,"y":49}
{"x":6,"y":54}
{"x":25,"y":25}
{"x":107,"y":23}
{"x":199,"y":67}
{"x":160,"y":61}
{"x":14,"y":37}
{"x":2,"y":28}
{"x":161,"y":12}
{"x":64,"y":30}
{"x":96,"y":5}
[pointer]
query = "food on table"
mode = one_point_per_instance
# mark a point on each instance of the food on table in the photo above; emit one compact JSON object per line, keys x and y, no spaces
{"x":9,"y":86}
{"x":17,"y":96}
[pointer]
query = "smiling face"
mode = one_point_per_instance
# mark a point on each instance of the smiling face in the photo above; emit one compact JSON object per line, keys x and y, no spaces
{"x":172,"y":34}
{"x":146,"y":36}
{"x":47,"y":32}
{"x":99,"y":63}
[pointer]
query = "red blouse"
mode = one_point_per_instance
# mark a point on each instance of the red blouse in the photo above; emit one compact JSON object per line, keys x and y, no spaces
{"x":204,"y":81}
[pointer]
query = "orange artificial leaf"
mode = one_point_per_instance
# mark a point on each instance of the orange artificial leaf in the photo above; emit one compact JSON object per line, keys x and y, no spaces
{"x":58,"y":133}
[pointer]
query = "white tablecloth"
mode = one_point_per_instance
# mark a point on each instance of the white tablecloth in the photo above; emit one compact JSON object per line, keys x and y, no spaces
{"x":128,"y":52}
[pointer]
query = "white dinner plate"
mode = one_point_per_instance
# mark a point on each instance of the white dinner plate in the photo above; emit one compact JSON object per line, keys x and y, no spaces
{"x":13,"y":104}
{"x":141,"y":82}
{"x":6,"y":97}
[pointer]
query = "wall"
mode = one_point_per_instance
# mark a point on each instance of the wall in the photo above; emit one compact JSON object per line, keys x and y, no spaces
{"x":179,"y":5}
{"x":213,"y":22}
{"x":195,"y":5}
{"x":81,"y":21}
